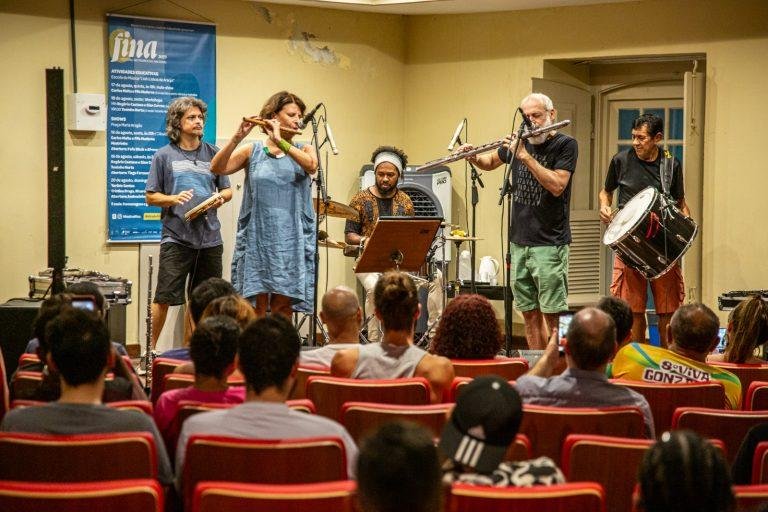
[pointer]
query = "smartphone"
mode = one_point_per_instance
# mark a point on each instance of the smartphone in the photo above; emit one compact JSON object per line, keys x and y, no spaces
{"x":720,"y":348}
{"x":562,"y":329}
{"x":86,"y":302}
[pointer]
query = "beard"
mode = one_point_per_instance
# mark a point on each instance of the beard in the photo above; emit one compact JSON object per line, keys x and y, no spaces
{"x":539,"y":139}
{"x":384,"y":190}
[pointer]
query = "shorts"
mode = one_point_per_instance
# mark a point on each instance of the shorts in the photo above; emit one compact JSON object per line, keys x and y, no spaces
{"x":177,"y":262}
{"x":540,"y":276}
{"x":630,"y":285}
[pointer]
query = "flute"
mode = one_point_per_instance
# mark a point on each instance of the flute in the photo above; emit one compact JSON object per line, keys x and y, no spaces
{"x":261,"y":122}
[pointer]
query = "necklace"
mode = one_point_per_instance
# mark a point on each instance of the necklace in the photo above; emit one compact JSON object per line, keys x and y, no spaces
{"x":184,"y":152}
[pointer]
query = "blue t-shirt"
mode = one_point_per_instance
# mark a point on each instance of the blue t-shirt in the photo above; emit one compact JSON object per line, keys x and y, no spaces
{"x":174,"y":170}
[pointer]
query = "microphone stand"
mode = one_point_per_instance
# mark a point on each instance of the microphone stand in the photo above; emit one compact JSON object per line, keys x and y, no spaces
{"x":475,"y":199}
{"x":322,"y":198}
{"x":507,"y":190}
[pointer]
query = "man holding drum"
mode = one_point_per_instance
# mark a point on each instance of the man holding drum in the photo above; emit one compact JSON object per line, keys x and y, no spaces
{"x":540,"y":231}
{"x":179,"y":180}
{"x":631,"y":171}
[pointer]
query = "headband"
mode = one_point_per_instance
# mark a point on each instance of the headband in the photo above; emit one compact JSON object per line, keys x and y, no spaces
{"x":387,"y":156}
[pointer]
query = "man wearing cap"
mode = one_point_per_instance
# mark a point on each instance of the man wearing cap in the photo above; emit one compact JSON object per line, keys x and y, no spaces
{"x":591,"y":344}
{"x":483,"y":424}
{"x":384,"y":199}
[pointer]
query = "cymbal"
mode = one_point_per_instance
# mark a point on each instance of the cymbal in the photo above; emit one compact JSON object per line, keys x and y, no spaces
{"x":463,"y":238}
{"x":336,"y":209}
{"x":333,"y":244}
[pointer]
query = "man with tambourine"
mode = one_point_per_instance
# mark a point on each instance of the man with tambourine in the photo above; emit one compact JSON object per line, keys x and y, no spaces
{"x":647,"y":176}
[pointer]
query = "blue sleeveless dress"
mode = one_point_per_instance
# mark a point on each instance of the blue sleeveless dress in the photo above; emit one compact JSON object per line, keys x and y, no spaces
{"x":275,"y":242}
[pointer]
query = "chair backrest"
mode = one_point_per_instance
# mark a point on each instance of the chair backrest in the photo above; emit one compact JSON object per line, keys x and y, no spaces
{"x":4,"y":399}
{"x":77,"y":458}
{"x":162,"y":366}
{"x":750,"y":497}
{"x":509,"y":368}
{"x":757,"y":396}
{"x":747,"y":373}
{"x":274,"y":461}
{"x":520,"y":449}
{"x":456,"y":386}
{"x":571,"y":497}
{"x":361,"y":417}
{"x":547,"y":427}
{"x":760,"y":464}
{"x":612,"y":461}
{"x":176,"y":381}
{"x":25,"y":383}
{"x":302,"y":374}
{"x":139,"y":495}
{"x":329,"y":394}
{"x":132,"y":405}
{"x":729,"y":426}
{"x":237,"y":497}
{"x":663,"y":399}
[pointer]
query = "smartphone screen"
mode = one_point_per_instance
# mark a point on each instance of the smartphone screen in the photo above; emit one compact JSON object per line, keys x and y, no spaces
{"x":84,"y":302}
{"x":565,"y":321}
{"x":723,"y":341}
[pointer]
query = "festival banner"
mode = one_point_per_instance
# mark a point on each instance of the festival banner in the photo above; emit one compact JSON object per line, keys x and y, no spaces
{"x":151,"y":62}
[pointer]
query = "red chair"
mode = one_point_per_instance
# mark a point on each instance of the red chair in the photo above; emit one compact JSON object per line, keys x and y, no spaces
{"x":237,"y":497}
{"x":361,"y":417}
{"x":77,"y":458}
{"x":665,"y":398}
{"x":729,"y":426}
{"x":760,"y":464}
{"x":25,"y":383}
{"x":572,"y":497}
{"x":456,"y":387}
{"x":520,"y":449}
{"x":747,"y":373}
{"x":547,"y":427}
{"x":757,"y":396}
{"x":161,"y":366}
{"x":288,"y":461}
{"x":140,"y":495}
{"x":750,"y":497}
{"x":302,"y":374}
{"x":132,"y":405}
{"x":612,"y":461}
{"x":329,"y":394}
{"x":4,"y":399}
{"x":509,"y":368}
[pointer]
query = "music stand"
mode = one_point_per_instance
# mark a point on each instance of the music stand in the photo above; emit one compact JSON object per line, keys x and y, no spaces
{"x":399,"y":243}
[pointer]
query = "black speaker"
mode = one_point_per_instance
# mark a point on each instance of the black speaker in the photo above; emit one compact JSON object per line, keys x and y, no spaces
{"x":54,"y":100}
{"x":16,"y":319}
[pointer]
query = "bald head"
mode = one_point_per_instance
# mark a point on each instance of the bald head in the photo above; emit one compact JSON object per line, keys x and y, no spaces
{"x":694,"y":327}
{"x":341,"y":312}
{"x":591,"y":338}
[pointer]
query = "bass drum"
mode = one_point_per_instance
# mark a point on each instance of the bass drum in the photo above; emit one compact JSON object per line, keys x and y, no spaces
{"x":650,"y":234}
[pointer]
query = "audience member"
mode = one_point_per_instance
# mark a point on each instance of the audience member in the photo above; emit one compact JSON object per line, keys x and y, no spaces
{"x":684,"y":473}
{"x":397,"y":308}
{"x":398,"y":470}
{"x":468,"y":329}
{"x":213,"y":347}
{"x":81,"y":354}
{"x":268,"y":354}
{"x":83,"y":288}
{"x":621,"y":313}
{"x":232,"y":306}
{"x":742,"y":464}
{"x":693,"y":330}
{"x":123,"y":386}
{"x":747,"y":329}
{"x":590,"y":345}
{"x":342,"y":316}
{"x":475,"y":440}
{"x":201,"y":295}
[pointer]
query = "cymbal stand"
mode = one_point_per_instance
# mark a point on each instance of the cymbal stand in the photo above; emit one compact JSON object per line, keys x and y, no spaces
{"x":475,"y":199}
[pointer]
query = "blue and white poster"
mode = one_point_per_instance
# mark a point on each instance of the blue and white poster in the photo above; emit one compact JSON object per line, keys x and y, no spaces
{"x":151,"y":62}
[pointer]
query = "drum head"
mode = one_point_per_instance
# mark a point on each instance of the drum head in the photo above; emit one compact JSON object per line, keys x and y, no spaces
{"x":629,"y":216}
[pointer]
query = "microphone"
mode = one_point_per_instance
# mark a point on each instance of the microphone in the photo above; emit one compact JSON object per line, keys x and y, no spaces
{"x":308,"y":117}
{"x":329,"y":134}
{"x":456,"y":134}
{"x":526,"y":121}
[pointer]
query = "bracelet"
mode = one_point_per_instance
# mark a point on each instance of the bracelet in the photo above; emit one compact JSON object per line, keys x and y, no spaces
{"x":284,"y":145}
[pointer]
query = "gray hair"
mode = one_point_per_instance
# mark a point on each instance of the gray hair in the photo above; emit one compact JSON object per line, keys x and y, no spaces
{"x":176,"y":110}
{"x":541,"y":99}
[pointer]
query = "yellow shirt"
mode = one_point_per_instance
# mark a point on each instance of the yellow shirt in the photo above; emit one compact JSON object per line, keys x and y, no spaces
{"x":648,"y":363}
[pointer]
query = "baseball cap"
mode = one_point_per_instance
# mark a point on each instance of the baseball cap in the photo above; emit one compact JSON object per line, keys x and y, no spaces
{"x":483,"y":424}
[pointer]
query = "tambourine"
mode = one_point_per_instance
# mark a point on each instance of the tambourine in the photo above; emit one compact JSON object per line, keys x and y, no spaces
{"x":202,"y":208}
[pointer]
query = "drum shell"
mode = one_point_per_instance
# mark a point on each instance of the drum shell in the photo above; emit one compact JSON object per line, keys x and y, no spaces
{"x":653,"y":248}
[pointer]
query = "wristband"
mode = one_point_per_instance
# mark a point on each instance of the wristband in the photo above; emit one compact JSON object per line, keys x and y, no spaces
{"x":284,"y":145}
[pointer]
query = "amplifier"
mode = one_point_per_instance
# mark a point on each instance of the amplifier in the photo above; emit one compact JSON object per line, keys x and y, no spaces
{"x":114,"y":289}
{"x":729,"y":300}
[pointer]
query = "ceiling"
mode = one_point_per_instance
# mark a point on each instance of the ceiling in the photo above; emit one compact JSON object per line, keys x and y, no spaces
{"x":413,"y":7}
